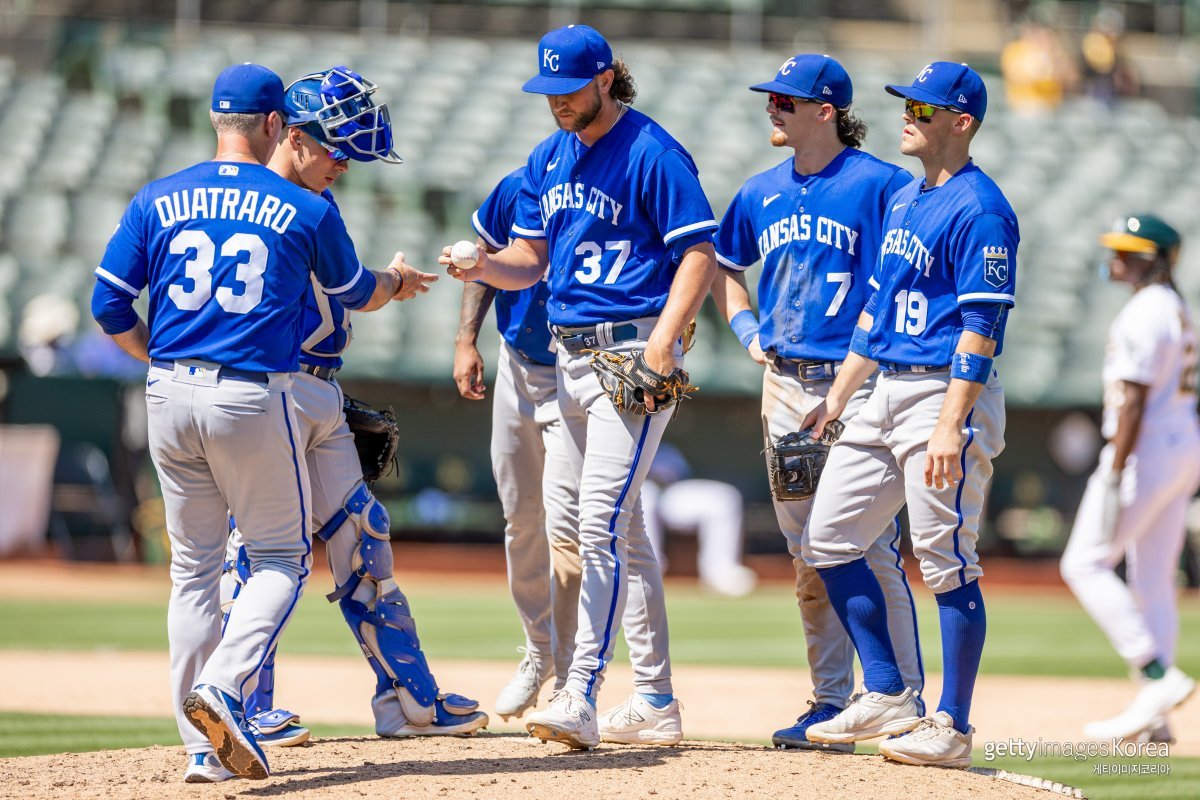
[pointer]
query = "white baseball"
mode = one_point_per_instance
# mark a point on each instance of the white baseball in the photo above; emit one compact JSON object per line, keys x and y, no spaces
{"x":464,"y":254}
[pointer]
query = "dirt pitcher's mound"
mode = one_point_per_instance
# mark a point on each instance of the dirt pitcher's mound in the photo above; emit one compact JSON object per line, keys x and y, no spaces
{"x":502,"y":766}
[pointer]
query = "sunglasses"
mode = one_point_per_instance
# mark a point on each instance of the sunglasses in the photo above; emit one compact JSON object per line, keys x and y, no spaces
{"x":922,"y":112}
{"x":787,"y":104}
{"x":335,"y":153}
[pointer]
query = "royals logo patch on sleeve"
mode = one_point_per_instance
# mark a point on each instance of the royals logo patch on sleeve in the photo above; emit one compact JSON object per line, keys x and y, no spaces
{"x":995,"y":266}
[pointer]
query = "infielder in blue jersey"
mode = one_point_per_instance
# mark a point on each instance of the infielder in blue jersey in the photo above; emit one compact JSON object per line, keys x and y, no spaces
{"x":529,"y":459}
{"x":815,"y":222}
{"x":335,"y":120}
{"x":927,"y":434}
{"x":227,"y":250}
{"x":612,"y":205}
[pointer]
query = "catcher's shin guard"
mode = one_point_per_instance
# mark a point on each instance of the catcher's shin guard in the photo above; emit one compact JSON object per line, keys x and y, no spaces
{"x":379,"y":615}
{"x":234,"y":577}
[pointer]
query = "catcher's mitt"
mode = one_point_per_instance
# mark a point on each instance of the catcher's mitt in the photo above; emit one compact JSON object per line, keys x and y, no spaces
{"x":626,"y":379}
{"x":795,"y":461}
{"x":375,"y":437}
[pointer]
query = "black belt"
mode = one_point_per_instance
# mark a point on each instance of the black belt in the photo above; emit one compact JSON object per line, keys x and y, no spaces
{"x":888,"y":366}
{"x":576,"y":340}
{"x":324,"y":373}
{"x":228,"y":373}
{"x":806,"y":370}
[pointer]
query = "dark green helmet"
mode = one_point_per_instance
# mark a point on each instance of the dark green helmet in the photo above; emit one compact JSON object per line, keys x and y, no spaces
{"x":1141,"y":233}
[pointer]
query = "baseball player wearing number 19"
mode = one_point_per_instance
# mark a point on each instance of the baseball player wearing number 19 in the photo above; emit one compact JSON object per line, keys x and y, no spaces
{"x":926,"y":436}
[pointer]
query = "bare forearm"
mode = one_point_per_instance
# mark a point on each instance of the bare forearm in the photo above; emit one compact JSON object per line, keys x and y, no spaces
{"x":518,"y":266}
{"x":387,"y":283}
{"x":730,"y":293}
{"x":135,"y":341}
{"x":476,"y":300}
{"x":693,"y":279}
{"x":1129,"y":423}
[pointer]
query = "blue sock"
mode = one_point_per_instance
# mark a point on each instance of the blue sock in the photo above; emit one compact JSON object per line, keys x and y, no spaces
{"x":964,"y":627}
{"x":591,"y":700}
{"x":658,"y":700}
{"x":856,"y":596}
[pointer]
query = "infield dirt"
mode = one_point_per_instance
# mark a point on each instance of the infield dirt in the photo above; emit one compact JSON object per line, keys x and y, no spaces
{"x":506,"y":765}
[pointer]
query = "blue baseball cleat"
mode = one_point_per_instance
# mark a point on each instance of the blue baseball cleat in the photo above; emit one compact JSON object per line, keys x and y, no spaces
{"x":795,"y":737}
{"x":221,"y":719}
{"x":278,"y":728}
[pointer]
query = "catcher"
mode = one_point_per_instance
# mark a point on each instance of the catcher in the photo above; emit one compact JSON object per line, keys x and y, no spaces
{"x":347,"y":447}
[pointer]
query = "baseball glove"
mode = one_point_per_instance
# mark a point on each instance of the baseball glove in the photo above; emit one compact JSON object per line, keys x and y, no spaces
{"x":627,"y":380}
{"x":795,"y":461}
{"x":375,"y":437}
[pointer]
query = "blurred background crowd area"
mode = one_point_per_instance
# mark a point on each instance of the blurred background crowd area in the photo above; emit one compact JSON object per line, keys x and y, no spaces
{"x":1093,"y":113}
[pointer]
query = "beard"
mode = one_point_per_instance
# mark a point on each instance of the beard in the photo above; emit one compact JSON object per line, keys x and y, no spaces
{"x":584,"y":118}
{"x":778,"y":138}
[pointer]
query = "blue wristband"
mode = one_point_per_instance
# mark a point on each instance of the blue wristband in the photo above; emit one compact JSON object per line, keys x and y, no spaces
{"x":971,"y":367}
{"x":858,"y":343}
{"x":745,"y":327}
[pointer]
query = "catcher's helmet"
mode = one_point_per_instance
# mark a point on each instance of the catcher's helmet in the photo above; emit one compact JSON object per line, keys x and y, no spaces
{"x":335,"y":107}
{"x":1141,"y":233}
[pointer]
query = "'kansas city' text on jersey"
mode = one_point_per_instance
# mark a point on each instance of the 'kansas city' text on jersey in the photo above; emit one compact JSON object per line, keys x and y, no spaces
{"x":942,"y":248}
{"x":617,"y":215}
{"x":818,"y":238}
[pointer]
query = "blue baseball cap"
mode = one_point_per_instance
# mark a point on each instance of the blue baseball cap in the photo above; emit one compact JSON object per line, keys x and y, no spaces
{"x":814,"y":77}
{"x":568,"y":59}
{"x":248,"y":89}
{"x":944,"y":83}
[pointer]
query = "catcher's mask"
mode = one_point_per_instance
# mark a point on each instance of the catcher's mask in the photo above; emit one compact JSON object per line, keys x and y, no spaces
{"x":335,"y":107}
{"x":795,"y":461}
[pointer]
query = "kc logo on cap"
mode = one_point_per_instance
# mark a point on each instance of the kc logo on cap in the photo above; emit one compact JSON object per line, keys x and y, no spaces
{"x":947,"y":84}
{"x":812,"y":76}
{"x":569,"y":58}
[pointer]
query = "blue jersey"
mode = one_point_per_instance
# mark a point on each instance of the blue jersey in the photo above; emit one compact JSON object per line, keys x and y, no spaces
{"x":818,"y":238}
{"x":942,"y":248}
{"x":520,"y":314}
{"x":617,"y":217}
{"x":326,"y":326}
{"x":226,"y":251}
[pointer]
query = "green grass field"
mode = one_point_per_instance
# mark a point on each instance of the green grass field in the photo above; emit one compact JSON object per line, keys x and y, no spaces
{"x":1032,"y":633}
{"x":1036,"y":633}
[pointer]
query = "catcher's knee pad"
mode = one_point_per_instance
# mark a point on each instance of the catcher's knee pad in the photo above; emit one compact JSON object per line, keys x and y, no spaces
{"x":372,"y":530}
{"x":387,"y":634}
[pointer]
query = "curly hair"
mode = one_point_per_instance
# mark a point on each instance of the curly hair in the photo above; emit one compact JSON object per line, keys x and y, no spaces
{"x":850,"y":129}
{"x":622,"y":88}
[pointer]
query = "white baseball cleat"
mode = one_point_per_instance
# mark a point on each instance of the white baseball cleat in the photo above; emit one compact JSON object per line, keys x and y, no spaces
{"x":869,"y":715}
{"x":205,"y":768}
{"x":637,"y":722}
{"x":570,"y":720}
{"x":935,"y":742}
{"x":521,"y":692}
{"x":1155,"y":699}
